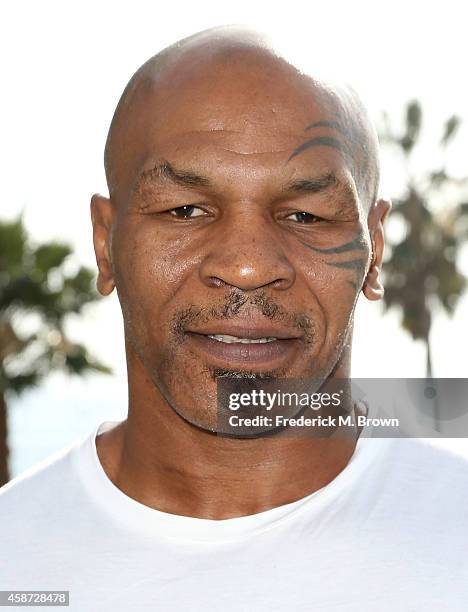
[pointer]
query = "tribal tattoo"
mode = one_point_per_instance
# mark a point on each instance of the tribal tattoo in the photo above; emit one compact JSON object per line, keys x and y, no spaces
{"x":358,"y":264}
{"x":358,"y":243}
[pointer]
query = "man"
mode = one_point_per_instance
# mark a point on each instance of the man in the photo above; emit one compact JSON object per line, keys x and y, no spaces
{"x":241,"y":226}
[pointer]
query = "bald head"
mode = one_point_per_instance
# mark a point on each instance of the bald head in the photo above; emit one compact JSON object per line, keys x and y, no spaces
{"x":229,"y":80}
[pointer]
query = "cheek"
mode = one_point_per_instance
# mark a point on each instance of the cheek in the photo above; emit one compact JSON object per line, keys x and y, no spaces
{"x":146,"y":263}
{"x":334,"y":290}
{"x":150,"y":267}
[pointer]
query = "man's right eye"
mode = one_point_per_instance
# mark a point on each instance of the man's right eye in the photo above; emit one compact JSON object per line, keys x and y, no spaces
{"x":187,"y":212}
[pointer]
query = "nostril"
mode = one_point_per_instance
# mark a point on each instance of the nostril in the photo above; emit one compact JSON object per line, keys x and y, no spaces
{"x":280,"y":283}
{"x":216,"y":282}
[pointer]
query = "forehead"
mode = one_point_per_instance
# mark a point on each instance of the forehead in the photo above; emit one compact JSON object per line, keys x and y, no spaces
{"x":245,"y":109}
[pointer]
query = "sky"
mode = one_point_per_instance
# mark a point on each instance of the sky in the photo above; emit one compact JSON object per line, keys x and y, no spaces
{"x":64,"y":65}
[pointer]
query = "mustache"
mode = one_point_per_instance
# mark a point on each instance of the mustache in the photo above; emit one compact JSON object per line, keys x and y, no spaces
{"x":235,"y":300}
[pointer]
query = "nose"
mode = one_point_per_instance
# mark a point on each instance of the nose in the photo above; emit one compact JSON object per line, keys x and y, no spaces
{"x":246,"y":253}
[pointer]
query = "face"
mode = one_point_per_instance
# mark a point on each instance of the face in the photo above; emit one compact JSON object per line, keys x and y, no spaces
{"x":238,"y":241}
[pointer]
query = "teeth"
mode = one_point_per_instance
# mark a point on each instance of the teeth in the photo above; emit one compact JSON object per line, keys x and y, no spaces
{"x":230,"y":339}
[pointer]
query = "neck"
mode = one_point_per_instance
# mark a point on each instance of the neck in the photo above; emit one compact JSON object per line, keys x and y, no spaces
{"x":165,"y":463}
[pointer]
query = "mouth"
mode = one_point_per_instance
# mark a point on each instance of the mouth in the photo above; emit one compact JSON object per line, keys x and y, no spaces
{"x":253,"y":348}
{"x":236,"y":340}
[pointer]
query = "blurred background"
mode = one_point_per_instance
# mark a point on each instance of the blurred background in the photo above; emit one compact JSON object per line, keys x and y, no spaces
{"x":64,"y":66}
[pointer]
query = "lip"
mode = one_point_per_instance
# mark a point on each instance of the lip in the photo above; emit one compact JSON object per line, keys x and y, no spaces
{"x":241,"y":330}
{"x":269,"y":355}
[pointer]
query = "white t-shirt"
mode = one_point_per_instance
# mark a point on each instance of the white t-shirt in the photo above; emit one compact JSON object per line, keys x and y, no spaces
{"x":389,"y":533}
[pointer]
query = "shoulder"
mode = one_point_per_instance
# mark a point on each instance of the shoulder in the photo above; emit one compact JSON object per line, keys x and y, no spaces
{"x":38,"y":476}
{"x":38,"y":490}
{"x":429,"y":457}
{"x":427,"y":477}
{"x":40,"y":513}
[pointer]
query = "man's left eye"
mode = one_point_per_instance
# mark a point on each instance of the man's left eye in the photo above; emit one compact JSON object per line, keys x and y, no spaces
{"x":304,"y":217}
{"x":187,"y":212}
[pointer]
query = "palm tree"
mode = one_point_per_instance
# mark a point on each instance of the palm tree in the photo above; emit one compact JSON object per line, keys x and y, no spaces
{"x":421,"y":273}
{"x":36,"y":291}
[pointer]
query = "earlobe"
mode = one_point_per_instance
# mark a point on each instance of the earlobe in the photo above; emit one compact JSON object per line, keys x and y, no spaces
{"x":101,"y":217}
{"x":372,"y":287}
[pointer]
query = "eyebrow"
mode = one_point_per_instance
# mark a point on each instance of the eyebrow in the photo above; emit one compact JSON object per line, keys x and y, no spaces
{"x":314,"y":185}
{"x":166,"y":171}
{"x":328,"y":181}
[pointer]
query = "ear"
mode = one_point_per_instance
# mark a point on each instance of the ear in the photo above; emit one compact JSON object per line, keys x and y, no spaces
{"x":373,"y":288}
{"x":101,"y":216}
